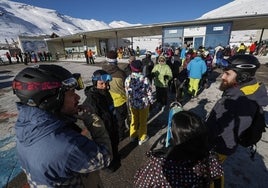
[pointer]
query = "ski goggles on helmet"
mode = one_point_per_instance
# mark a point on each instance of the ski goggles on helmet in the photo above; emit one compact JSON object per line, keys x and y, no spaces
{"x":103,"y":77}
{"x":74,"y":82}
{"x":80,"y":83}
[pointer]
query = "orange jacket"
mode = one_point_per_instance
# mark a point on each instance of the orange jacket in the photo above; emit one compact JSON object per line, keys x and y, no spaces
{"x":89,"y":53}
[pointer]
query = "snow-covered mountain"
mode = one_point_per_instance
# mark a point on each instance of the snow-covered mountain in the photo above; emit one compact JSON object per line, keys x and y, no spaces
{"x":22,"y":19}
{"x":238,"y":8}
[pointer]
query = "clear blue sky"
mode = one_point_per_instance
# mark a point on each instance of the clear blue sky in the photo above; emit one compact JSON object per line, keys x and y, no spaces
{"x":134,"y":11}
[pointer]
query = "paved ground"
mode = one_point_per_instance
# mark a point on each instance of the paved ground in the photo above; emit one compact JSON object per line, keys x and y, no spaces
{"x":240,"y":171}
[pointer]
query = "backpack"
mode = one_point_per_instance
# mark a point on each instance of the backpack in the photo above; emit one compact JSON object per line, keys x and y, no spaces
{"x":252,"y":135}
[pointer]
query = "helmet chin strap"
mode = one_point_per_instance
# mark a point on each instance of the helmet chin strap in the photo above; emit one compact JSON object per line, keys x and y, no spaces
{"x":55,"y":102}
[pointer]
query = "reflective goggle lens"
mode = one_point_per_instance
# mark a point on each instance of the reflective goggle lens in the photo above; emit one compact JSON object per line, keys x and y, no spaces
{"x":80,"y":83}
{"x":104,"y":77}
{"x":70,"y":83}
{"x":74,"y":82}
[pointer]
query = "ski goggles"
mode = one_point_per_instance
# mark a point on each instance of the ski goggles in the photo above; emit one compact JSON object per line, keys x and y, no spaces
{"x":104,"y":77}
{"x":74,"y":82}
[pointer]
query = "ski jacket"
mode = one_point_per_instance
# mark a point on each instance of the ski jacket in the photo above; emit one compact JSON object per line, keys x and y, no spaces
{"x":102,"y":104}
{"x":139,"y":91}
{"x":148,"y":65}
{"x":252,"y":47}
{"x":117,"y":88}
{"x":196,"y":67}
{"x":161,"y":70}
{"x":89,"y":53}
{"x":53,"y":153}
{"x":183,"y":53}
{"x":174,"y":65}
{"x":162,"y":172}
{"x":234,"y":113}
{"x":219,"y":54}
{"x":241,"y":48}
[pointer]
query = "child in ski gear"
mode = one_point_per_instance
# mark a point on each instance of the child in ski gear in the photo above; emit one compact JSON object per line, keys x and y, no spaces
{"x":139,"y":92}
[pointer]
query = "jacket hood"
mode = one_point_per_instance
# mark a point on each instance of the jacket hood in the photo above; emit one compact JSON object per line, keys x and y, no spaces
{"x":259,"y":93}
{"x":33,"y":124}
{"x":110,"y":68}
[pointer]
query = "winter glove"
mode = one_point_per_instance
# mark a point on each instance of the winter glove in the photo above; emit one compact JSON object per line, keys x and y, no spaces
{"x":166,"y":77}
{"x":96,"y":128}
{"x":152,"y":75}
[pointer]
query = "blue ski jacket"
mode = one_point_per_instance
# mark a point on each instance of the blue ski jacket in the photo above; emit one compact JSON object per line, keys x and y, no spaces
{"x":197,"y":67}
{"x":52,"y":152}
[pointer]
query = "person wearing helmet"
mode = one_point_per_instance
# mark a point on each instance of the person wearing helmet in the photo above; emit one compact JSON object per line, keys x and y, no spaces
{"x":100,"y":99}
{"x":52,"y":149}
{"x":238,"y":106}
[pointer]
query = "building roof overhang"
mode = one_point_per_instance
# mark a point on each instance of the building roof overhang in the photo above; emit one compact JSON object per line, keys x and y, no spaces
{"x":251,"y":22}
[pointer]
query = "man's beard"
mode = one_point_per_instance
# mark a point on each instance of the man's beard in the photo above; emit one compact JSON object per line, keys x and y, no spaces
{"x":103,"y":91}
{"x":226,"y":85}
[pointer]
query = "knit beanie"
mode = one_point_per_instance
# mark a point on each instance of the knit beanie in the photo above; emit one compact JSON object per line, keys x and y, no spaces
{"x":136,"y":66}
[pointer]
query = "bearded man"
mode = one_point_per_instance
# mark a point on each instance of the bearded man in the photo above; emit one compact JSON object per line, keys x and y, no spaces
{"x":242,"y":100}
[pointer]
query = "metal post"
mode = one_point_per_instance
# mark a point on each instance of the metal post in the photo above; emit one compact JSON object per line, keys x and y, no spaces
{"x":85,"y":48}
{"x":261,"y":35}
{"x":116,"y":40}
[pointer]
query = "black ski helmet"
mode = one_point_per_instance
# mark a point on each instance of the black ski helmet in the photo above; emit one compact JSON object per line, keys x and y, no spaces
{"x":244,"y":65}
{"x":100,"y":75}
{"x":43,"y":86}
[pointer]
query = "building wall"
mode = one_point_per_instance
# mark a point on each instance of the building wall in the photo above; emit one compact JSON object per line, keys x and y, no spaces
{"x":74,"y":47}
{"x":172,"y":37}
{"x":218,"y":34}
{"x":210,"y":35}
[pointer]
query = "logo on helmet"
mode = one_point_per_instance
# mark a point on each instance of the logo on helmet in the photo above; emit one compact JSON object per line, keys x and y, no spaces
{"x":246,"y":66}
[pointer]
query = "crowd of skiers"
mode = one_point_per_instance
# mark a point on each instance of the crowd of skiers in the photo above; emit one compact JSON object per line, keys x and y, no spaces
{"x":27,"y":57}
